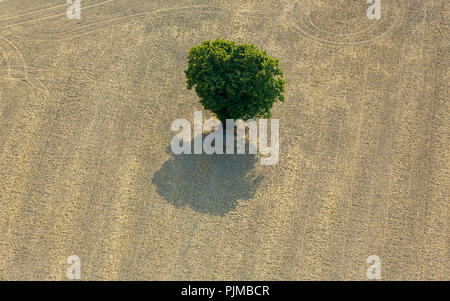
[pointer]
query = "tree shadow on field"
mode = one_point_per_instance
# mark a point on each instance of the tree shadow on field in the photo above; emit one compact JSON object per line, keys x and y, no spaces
{"x":210,"y":184}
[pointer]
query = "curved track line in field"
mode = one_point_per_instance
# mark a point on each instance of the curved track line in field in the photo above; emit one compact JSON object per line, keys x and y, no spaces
{"x":32,"y":71}
{"x":52,"y":16}
{"x":142,"y":14}
{"x":33,"y":12}
{"x":313,"y":36}
{"x":19,"y":69}
{"x":334,"y":33}
{"x":65,"y":5}
{"x":10,"y":50}
{"x":312,"y":32}
{"x":136,"y":16}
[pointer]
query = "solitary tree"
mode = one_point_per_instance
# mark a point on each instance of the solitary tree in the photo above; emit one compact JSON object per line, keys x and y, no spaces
{"x":234,"y":81}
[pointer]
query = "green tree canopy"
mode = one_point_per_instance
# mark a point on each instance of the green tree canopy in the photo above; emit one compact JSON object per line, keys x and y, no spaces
{"x":234,"y":81}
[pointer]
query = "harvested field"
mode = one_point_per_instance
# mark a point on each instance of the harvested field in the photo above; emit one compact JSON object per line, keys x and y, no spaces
{"x":86,"y":107}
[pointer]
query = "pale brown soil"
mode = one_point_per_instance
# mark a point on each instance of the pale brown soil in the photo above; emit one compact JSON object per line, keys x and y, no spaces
{"x":85,"y":166}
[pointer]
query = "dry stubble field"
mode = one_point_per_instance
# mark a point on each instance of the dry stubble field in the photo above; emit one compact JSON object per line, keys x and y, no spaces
{"x":85,"y":167}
